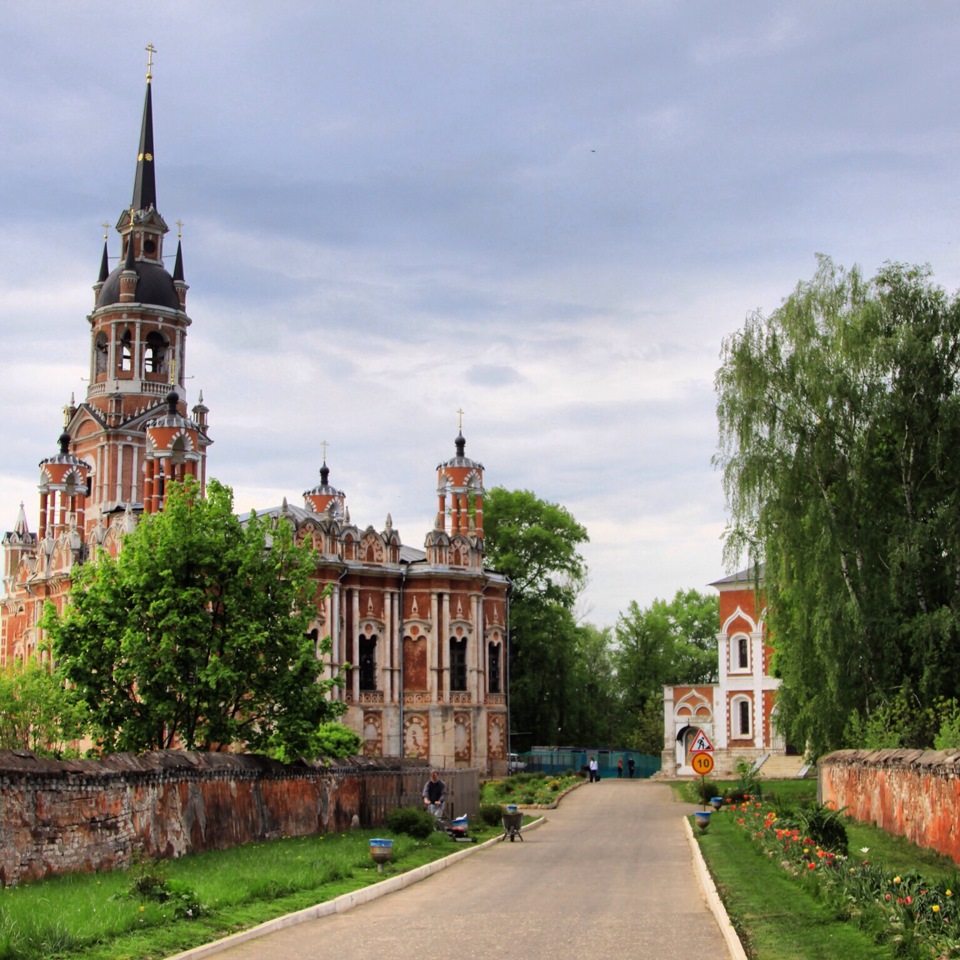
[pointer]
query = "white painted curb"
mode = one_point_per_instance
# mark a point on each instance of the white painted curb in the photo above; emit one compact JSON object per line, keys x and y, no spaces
{"x":342,"y":903}
{"x":709,"y":891}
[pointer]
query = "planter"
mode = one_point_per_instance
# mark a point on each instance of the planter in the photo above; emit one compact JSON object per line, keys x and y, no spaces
{"x":381,"y":851}
{"x":716,"y":802}
{"x":702,"y":818}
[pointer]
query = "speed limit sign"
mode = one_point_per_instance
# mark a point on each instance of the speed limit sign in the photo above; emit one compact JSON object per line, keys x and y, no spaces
{"x":702,"y":763}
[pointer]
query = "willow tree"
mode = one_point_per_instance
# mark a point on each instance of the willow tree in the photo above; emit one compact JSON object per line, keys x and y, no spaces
{"x":840,"y":447}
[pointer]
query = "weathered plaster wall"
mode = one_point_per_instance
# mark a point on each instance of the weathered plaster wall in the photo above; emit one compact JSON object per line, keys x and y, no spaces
{"x":69,"y":816}
{"x":913,"y":793}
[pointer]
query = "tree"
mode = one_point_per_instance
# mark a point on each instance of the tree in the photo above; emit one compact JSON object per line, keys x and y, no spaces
{"x":840,"y":447}
{"x":196,"y":634}
{"x":535,"y":543}
{"x":36,"y":711}
{"x":668,"y":642}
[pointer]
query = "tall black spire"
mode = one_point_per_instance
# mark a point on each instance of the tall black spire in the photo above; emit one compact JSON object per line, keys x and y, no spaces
{"x":145,"y":184}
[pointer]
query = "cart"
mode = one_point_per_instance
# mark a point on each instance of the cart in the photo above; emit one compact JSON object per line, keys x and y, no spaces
{"x":512,"y":821}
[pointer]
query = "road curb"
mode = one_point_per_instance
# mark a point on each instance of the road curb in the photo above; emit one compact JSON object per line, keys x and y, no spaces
{"x":341,"y":904}
{"x":709,"y":891}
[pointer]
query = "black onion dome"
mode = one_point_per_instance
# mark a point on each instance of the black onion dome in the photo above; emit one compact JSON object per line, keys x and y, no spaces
{"x":154,"y":286}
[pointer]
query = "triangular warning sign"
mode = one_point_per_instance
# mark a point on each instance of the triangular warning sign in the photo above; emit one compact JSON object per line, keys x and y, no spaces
{"x":702,"y":744}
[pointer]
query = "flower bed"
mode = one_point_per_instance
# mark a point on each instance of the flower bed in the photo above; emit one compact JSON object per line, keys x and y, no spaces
{"x":915,"y":916}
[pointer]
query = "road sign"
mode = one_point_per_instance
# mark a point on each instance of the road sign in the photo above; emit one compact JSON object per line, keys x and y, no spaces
{"x":702,"y":763}
{"x":702,"y":744}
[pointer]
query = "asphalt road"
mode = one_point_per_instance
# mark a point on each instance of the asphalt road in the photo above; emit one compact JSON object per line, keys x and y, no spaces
{"x":609,"y":875}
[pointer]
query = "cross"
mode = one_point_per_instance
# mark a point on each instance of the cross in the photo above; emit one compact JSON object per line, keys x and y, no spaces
{"x":151,"y":50}
{"x":106,"y":227}
{"x":179,"y":229}
{"x":66,"y":414}
{"x":324,"y":444}
{"x":173,"y":372}
{"x":460,"y":419}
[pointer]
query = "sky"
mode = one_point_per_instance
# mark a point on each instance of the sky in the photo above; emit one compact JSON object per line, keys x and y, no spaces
{"x":548,"y":215}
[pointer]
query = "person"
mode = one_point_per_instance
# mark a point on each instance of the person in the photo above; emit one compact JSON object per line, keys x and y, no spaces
{"x":630,"y":766}
{"x":620,"y":769}
{"x":594,"y":770}
{"x":435,"y":794}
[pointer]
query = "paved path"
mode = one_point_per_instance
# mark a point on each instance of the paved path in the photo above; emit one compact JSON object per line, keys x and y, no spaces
{"x":609,"y":875}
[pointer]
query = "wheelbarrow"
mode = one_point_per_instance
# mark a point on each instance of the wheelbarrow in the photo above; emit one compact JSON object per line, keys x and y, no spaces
{"x":512,"y":821}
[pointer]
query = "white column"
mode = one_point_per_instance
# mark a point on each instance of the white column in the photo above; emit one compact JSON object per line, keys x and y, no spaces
{"x":444,"y":645}
{"x":386,"y":648}
{"x":354,"y":630}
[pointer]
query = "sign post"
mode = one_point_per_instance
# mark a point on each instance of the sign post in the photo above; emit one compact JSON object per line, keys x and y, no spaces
{"x":702,"y":761}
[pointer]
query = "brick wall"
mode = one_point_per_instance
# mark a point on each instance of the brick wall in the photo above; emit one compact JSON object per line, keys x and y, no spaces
{"x":79,"y":816}
{"x":913,"y":793}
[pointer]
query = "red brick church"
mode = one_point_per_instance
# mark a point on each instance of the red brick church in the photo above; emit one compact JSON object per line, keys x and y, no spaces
{"x":424,"y":631}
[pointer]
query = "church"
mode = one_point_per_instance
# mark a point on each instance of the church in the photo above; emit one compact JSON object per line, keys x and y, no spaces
{"x":419,"y":634}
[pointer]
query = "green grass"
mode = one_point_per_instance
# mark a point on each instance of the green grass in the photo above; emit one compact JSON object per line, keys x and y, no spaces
{"x":780,"y":916}
{"x":93,"y":917}
{"x":528,"y":788}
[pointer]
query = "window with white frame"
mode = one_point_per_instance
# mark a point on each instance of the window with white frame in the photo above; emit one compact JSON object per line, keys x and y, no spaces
{"x":741,"y":653}
{"x":740,"y":718}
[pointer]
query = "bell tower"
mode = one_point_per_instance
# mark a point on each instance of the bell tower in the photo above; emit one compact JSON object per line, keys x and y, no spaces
{"x":138,"y":334}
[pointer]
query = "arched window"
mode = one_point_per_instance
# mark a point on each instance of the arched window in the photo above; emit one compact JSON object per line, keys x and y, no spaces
{"x":155,"y":358}
{"x":126,"y":352}
{"x":458,"y":664}
{"x":740,"y":718}
{"x":742,"y":655}
{"x":368,"y":663}
{"x":100,"y":353}
{"x":493,"y":667}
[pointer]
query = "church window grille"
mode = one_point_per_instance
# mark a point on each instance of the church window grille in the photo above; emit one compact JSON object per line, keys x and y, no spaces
{"x":458,"y":664}
{"x":741,"y":717}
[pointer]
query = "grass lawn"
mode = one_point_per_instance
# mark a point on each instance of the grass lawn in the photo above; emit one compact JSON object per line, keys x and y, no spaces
{"x":94,"y":917}
{"x":779,"y":916}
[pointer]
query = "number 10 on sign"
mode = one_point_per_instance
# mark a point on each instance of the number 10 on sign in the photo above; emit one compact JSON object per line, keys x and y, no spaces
{"x":702,"y":763}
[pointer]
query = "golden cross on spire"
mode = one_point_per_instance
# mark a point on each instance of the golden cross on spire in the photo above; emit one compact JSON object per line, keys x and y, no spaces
{"x":460,"y":419}
{"x":173,"y":372}
{"x":66,"y":414}
{"x":106,"y":227}
{"x":324,"y":444}
{"x":179,"y":229}
{"x":151,"y":50}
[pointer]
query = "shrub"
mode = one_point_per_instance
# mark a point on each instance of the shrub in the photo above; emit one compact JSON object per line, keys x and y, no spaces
{"x":413,"y":821}
{"x":824,"y":826}
{"x":700,"y":790}
{"x":490,"y":814}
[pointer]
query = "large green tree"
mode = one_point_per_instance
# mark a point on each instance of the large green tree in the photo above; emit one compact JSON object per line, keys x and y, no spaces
{"x":37,"y":712}
{"x":840,"y":446}
{"x":196,"y":634}
{"x":536,"y":544}
{"x":668,"y":642}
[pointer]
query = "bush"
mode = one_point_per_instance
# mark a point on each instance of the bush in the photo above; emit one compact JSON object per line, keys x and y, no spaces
{"x":700,"y":790}
{"x":413,"y":821}
{"x":491,"y":814}
{"x":824,"y":826}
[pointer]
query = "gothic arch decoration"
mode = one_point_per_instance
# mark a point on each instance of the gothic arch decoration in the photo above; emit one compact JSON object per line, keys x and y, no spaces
{"x":371,"y":547}
{"x":462,"y":738}
{"x":752,"y":625}
{"x":372,"y":735}
{"x":416,"y":737}
{"x":694,"y":707}
{"x":496,"y":736}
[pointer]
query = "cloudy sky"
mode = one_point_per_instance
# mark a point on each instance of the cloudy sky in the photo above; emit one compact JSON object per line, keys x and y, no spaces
{"x":548,"y":214}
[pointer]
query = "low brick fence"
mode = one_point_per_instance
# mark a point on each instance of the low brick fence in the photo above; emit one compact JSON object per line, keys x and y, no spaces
{"x":913,"y":793}
{"x":84,"y":815}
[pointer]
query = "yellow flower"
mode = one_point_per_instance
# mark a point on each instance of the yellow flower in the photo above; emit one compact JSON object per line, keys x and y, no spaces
{"x":936,"y":908}
{"x":949,"y":893}
{"x":896,"y":879}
